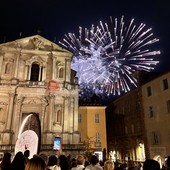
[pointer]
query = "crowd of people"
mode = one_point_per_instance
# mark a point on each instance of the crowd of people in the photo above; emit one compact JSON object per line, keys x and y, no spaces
{"x":21,"y":161}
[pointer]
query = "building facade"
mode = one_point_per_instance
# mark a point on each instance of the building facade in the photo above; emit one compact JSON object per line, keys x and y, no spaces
{"x":38,"y":96}
{"x":140,"y":120}
{"x":92,"y":128}
{"x":125,"y":127}
{"x":156,"y":104}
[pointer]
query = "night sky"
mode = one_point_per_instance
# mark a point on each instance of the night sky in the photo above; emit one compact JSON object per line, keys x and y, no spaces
{"x":54,"y":18}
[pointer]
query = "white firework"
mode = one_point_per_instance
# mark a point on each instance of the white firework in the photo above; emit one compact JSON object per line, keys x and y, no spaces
{"x":106,"y":56}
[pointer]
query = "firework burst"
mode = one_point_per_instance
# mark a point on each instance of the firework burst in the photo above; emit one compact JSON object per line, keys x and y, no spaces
{"x":106,"y":56}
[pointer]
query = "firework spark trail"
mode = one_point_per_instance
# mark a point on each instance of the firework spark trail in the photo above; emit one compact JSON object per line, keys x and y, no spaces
{"x":106,"y":56}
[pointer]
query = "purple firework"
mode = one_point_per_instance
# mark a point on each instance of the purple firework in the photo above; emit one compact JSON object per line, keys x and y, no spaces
{"x":106,"y":56}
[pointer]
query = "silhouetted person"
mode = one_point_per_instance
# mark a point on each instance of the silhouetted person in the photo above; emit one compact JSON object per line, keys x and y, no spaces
{"x":63,"y":162}
{"x":44,"y":157}
{"x":131,"y":165}
{"x":168,"y":163}
{"x":18,"y":162}
{"x":6,"y":161}
{"x":80,"y":163}
{"x":36,"y":163}
{"x":27,"y":154}
{"x":53,"y":163}
{"x":94,"y":164}
{"x":151,"y":164}
{"x":73,"y":162}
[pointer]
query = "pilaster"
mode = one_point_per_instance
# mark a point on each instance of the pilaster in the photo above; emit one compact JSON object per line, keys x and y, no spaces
{"x":17,"y":122}
{"x":16,"y":66}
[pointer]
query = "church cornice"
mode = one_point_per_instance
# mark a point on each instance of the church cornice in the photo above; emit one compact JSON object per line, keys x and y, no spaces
{"x":35,"y":44}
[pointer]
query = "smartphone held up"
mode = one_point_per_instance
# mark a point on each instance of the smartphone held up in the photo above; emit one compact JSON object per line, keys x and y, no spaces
{"x":57,"y":143}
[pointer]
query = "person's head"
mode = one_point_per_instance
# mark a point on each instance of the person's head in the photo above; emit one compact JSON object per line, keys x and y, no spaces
{"x":130,"y":164}
{"x":26,"y":153}
{"x":151,"y":164}
{"x":6,"y":161}
{"x":109,"y":165}
{"x":7,"y":156}
{"x":63,"y":162}
{"x":80,"y":160}
{"x":94,"y":160}
{"x":52,"y":160}
{"x":44,"y":157}
{"x":73,"y":164}
{"x":18,"y":161}
{"x":36,"y":163}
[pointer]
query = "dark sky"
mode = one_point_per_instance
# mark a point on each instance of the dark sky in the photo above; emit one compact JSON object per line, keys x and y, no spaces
{"x":54,"y":18}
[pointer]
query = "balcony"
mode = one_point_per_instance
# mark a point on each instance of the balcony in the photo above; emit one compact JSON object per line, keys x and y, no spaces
{"x":47,"y":147}
{"x":5,"y":148}
{"x":70,"y":147}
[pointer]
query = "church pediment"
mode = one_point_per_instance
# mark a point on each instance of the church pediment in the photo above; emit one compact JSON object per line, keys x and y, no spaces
{"x":34,"y":101}
{"x":36,"y":42}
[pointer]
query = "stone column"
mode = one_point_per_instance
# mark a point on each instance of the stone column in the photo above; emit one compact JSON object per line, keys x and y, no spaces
{"x":71,"y":115}
{"x":65,"y":114}
{"x":16,"y":66}
{"x":43,"y":109}
{"x":62,"y":118}
{"x":29,"y":72}
{"x":44,"y":73}
{"x":51,"y":110}
{"x":26,"y":72}
{"x":75,"y":127}
{"x":18,"y":101}
{"x":10,"y":111}
{"x":1,"y":63}
{"x":40,"y":72}
{"x":67,"y":70}
{"x":53,"y":68}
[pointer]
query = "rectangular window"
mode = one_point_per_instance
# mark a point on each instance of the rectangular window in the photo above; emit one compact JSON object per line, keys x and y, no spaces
{"x":79,"y":118}
{"x":151,"y":111}
{"x":97,"y":140}
{"x":155,"y":137}
{"x":165,"y":84}
{"x":168,"y":106}
{"x":97,"y":137}
{"x":149,"y":91}
{"x":96,"y":118}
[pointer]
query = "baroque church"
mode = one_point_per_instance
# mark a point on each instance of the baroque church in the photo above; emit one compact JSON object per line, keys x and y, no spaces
{"x":38,"y":96}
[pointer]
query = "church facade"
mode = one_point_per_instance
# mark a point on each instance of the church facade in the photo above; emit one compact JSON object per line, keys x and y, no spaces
{"x":38,"y":96}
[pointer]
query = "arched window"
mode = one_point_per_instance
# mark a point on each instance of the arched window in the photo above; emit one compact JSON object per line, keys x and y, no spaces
{"x":7,"y":68}
{"x":61,"y":73}
{"x":34,"y":72}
